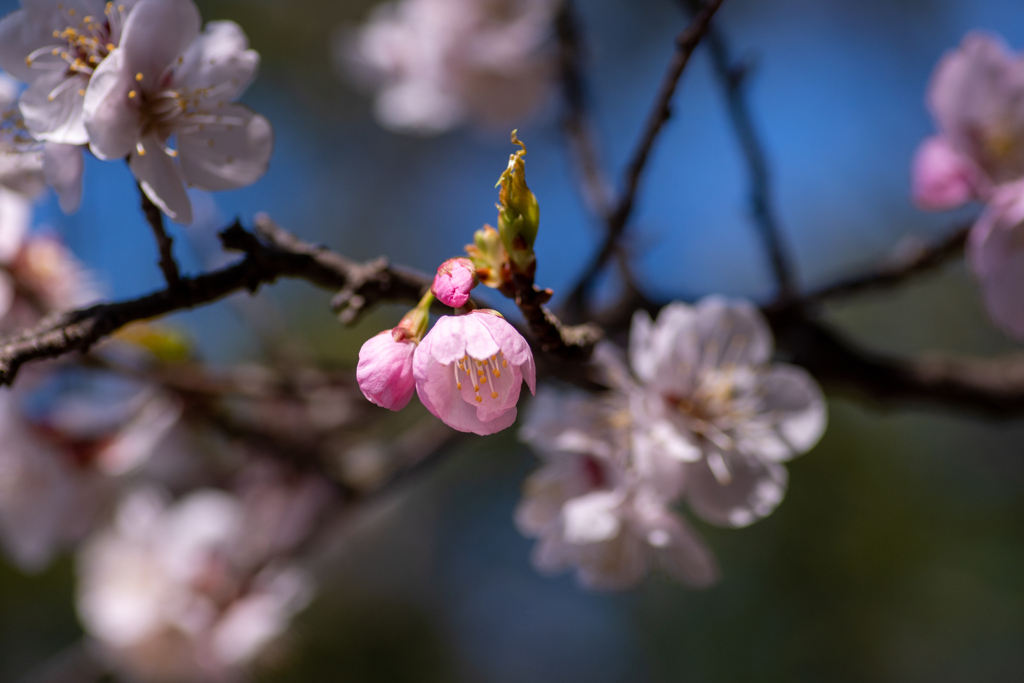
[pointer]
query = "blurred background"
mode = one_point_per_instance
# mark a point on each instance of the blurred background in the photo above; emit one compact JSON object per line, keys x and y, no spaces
{"x":896,"y":555}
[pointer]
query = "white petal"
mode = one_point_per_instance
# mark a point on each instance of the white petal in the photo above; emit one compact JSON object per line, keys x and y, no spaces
{"x":681,"y":551}
{"x":219,"y":59}
{"x":744,"y":491}
{"x":21,"y":33}
{"x":732,"y":332}
{"x":161,"y":180}
{"x":52,"y":107}
{"x":796,"y":407}
{"x":219,"y":159}
{"x":112,"y":118}
{"x":156,"y":34}
{"x":63,"y":166}
{"x":592,"y":518}
{"x":22,"y":172}
{"x":15,"y":217}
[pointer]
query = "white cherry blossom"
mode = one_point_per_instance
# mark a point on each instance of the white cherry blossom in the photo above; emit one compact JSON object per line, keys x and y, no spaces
{"x":169,"y":578}
{"x":709,"y":396}
{"x":55,"y":47}
{"x":596,"y":508}
{"x":169,"y":81}
{"x":442,"y":63}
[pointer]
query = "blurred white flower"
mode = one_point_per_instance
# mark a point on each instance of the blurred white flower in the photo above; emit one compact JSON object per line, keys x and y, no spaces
{"x":169,"y":597}
{"x":594,"y":506}
{"x":27,"y":165}
{"x":165,"y":80}
{"x":442,"y":63}
{"x":710,"y":397}
{"x":61,"y":450}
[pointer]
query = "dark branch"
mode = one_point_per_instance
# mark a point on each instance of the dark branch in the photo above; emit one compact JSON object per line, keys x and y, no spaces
{"x":270,"y":253}
{"x":618,"y":219}
{"x":993,"y":387}
{"x":733,"y":78}
{"x":910,"y":265}
{"x":164,"y":242}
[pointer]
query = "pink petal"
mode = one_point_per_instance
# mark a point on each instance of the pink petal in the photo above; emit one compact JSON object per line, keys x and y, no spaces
{"x":435,"y":385}
{"x":995,"y":251}
{"x":384,"y":372}
{"x":942,"y":177}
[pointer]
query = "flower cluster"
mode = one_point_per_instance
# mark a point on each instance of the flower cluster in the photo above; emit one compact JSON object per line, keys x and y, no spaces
{"x":200,"y":581}
{"x":469,"y":369}
{"x":977,"y":99}
{"x":699,"y":415}
{"x":137,"y":80}
{"x":442,"y":63}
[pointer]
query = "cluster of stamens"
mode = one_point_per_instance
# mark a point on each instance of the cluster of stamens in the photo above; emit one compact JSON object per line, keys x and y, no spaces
{"x":479,"y":373}
{"x":84,"y":44}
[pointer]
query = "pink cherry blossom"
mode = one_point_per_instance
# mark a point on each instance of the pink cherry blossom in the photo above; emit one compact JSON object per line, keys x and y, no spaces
{"x":942,"y":178}
{"x":977,"y":98}
{"x":455,"y":279}
{"x":469,"y":369}
{"x":168,"y":80}
{"x":384,"y":371}
{"x":995,"y":252}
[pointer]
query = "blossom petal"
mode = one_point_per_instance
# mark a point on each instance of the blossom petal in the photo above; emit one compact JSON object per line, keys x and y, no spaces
{"x":63,"y":166}
{"x":112,"y":118}
{"x":160,"y":180}
{"x":219,"y":60}
{"x":15,"y":217}
{"x":435,"y":386}
{"x":731,"y":489}
{"x":731,"y":332}
{"x":995,"y":251}
{"x":490,"y":329}
{"x":793,"y":401}
{"x":977,"y":98}
{"x":52,"y":107}
{"x":682,"y":552}
{"x":225,"y":158}
{"x":21,"y":33}
{"x":592,"y":518}
{"x":156,"y":33}
{"x":445,"y":342}
{"x":942,"y":177}
{"x":384,"y":372}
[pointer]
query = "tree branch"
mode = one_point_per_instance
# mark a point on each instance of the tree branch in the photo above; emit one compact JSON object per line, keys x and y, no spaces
{"x":270,"y":253}
{"x":910,"y":265}
{"x":164,"y":242}
{"x":733,"y":78}
{"x":618,"y":219}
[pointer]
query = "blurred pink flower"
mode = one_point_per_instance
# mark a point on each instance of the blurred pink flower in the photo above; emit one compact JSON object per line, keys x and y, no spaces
{"x":995,"y":252}
{"x":469,"y":369}
{"x":443,"y":63}
{"x":454,"y":281}
{"x":977,"y":98}
{"x":596,"y":508}
{"x":165,"y":80}
{"x":384,"y":372}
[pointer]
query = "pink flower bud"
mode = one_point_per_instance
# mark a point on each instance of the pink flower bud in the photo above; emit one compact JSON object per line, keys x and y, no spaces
{"x":454,"y":280}
{"x":469,"y":370}
{"x":942,"y":178}
{"x":384,"y":371}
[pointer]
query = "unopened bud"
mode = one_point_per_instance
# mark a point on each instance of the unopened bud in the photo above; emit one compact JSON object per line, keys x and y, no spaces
{"x":488,"y":256}
{"x":518,"y":213}
{"x":455,"y":279}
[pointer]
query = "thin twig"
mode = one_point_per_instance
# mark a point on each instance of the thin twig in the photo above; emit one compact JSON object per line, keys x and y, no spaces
{"x":577,"y":124}
{"x":686,"y":42}
{"x":164,"y":242}
{"x":921,"y":261}
{"x":733,"y":78}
